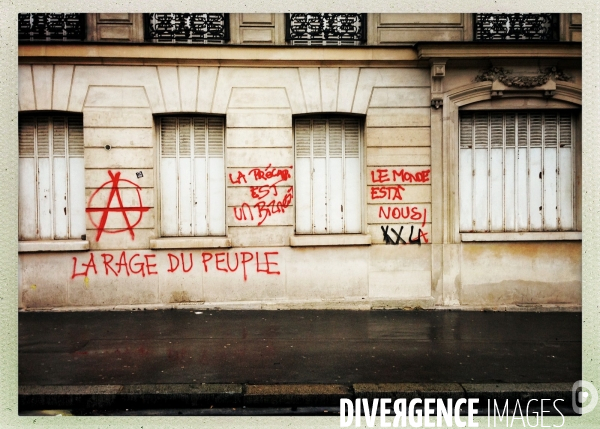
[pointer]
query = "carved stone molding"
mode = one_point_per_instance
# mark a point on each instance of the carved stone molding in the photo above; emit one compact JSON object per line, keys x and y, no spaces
{"x":503,"y":80}
{"x":507,"y":78}
{"x":438,"y":71}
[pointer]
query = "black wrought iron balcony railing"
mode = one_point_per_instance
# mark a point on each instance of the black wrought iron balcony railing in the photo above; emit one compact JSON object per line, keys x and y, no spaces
{"x":203,"y":28}
{"x":62,"y":27}
{"x":326,"y":28}
{"x":517,"y":26}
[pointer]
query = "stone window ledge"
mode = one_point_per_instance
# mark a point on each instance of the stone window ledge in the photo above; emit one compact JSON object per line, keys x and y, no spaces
{"x":54,"y":246}
{"x":330,"y":240}
{"x":190,"y":243}
{"x":521,"y":236}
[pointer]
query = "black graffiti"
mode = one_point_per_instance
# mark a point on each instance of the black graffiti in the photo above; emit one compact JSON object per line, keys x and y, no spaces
{"x":421,"y":235}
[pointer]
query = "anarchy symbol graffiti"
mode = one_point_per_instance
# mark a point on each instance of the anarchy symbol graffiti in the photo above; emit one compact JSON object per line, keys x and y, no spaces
{"x":113,"y":185}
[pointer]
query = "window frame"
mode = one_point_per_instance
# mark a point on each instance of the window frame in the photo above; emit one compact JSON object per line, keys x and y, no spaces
{"x":471,"y":148}
{"x":478,"y":96}
{"x":334,"y":238}
{"x":187,"y":241}
{"x":46,"y":244}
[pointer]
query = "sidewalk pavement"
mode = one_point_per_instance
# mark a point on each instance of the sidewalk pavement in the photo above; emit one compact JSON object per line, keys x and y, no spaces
{"x":301,"y":358}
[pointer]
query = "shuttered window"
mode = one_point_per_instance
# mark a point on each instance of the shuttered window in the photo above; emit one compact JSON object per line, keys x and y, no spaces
{"x":51,"y":177}
{"x":328,"y":175}
{"x":517,"y":171}
{"x":192,"y":176}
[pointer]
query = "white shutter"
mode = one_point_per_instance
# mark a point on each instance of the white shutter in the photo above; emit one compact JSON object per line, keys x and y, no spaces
{"x":496,"y":175}
{"x":76,"y":196}
{"x":216,"y":176}
{"x":510,"y":156}
{"x":60,"y":177}
{"x":201,"y":182}
{"x":480,"y":172}
{"x":465,"y":162}
{"x":51,"y":177}
{"x":44,"y":179}
{"x":335,"y":179}
{"x":169,"y":184}
{"x":566,"y":171}
{"x":516,"y":171}
{"x":28,"y":206}
{"x":192,"y":176}
{"x":303,"y":184}
{"x":352,"y":177}
{"x":186,"y":192}
{"x":328,"y":175}
{"x":319,"y":176}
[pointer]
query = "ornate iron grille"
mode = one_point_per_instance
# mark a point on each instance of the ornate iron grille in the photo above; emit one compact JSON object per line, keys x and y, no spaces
{"x":516,"y":26}
{"x":51,"y":26}
{"x":326,"y":28}
{"x":187,"y":28}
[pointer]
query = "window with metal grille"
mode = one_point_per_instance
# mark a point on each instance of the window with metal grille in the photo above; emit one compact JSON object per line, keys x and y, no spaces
{"x":206,"y":28}
{"x":517,"y":171}
{"x":516,"y":26}
{"x":192,"y":176}
{"x":330,"y":29}
{"x":328,"y":175}
{"x":51,"y":177}
{"x":51,"y":27}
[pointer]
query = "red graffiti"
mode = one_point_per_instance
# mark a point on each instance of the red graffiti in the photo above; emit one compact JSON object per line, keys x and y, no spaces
{"x":407,"y":212}
{"x":263,"y":209}
{"x":114,"y":181}
{"x":382,"y":175}
{"x":142,"y":265}
{"x":389,"y":192}
{"x":124,"y":264}
{"x":260,"y":192}
{"x":268,"y":209}
{"x":241,"y":215}
{"x":269,"y":172}
{"x":175,"y":259}
{"x":90,"y":264}
{"x":238,"y":181}
{"x":223,"y":262}
{"x":266,"y":173}
{"x":419,"y":177}
{"x":137,"y":265}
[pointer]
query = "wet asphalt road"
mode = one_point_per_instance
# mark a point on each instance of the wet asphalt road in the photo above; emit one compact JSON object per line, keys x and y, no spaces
{"x":263,"y":347}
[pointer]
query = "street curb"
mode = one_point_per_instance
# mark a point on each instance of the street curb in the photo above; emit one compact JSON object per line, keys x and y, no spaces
{"x":179,"y":396}
{"x":296,"y":395}
{"x":519,"y":391}
{"x":130,"y":396}
{"x":156,"y":396}
{"x":415,"y":304}
{"x":409,"y":390}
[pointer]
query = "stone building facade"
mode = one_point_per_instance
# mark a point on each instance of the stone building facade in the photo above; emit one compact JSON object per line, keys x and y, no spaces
{"x":299,"y":161}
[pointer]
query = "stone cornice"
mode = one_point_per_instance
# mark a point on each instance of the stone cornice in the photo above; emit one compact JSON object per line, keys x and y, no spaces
{"x":459,"y":50}
{"x":151,"y":54}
